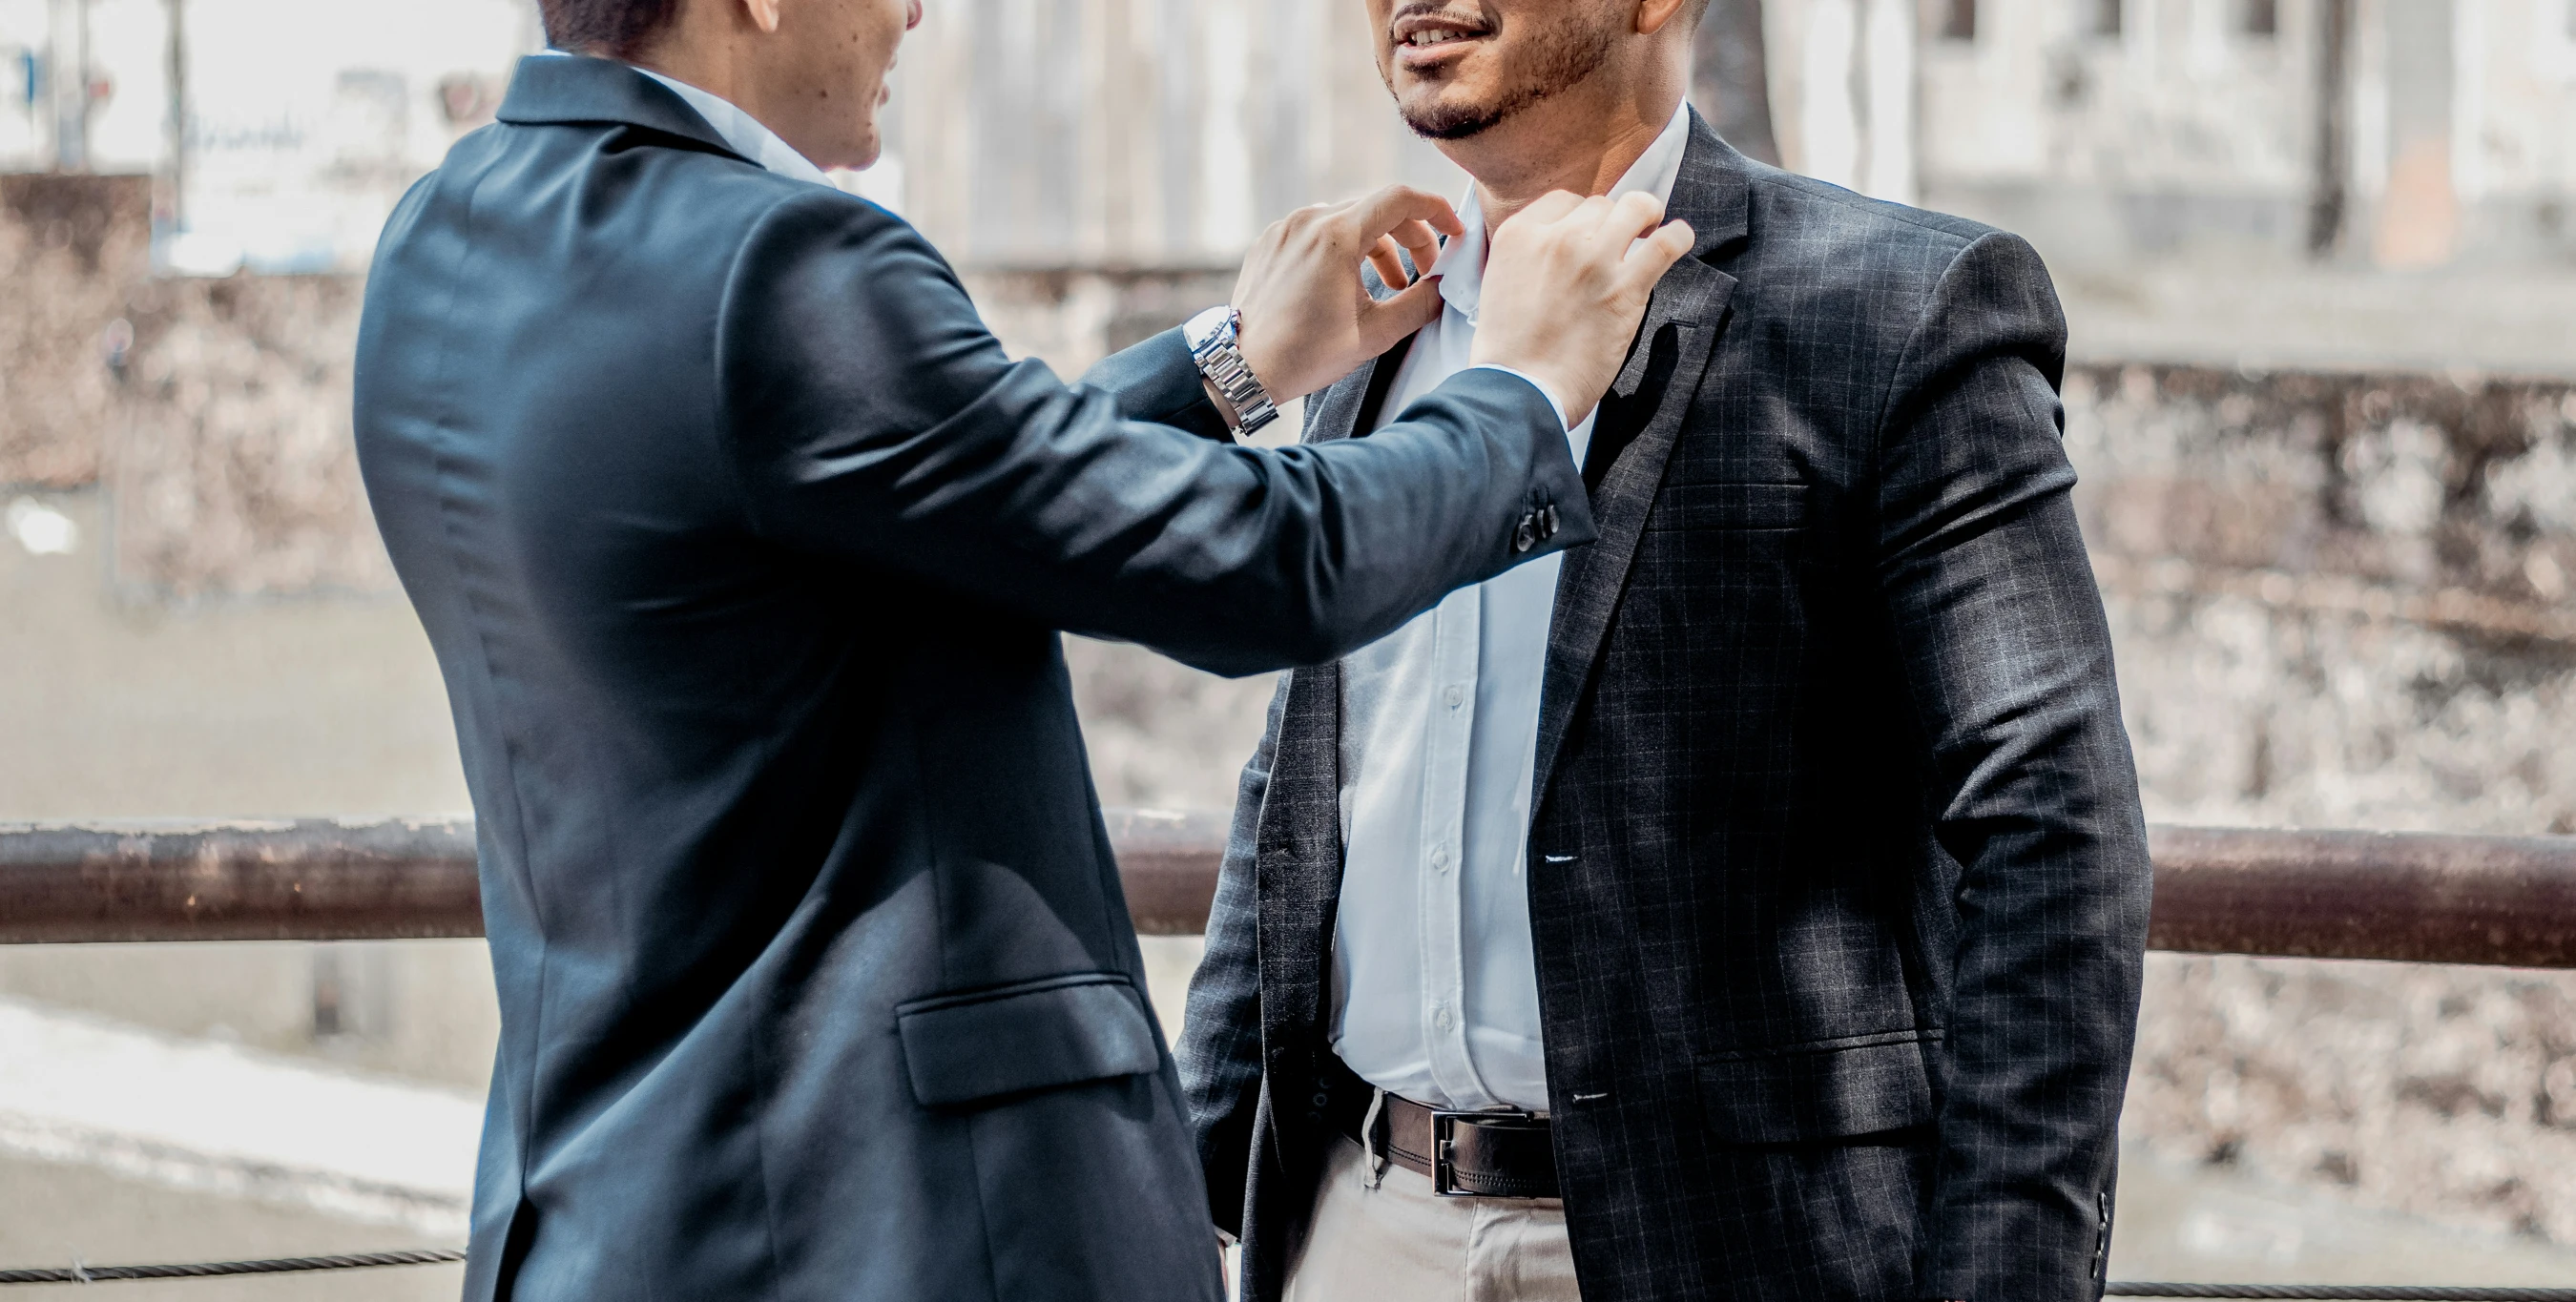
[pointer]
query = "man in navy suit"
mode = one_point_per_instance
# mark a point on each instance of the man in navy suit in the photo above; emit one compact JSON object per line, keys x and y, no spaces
{"x":744,"y":550}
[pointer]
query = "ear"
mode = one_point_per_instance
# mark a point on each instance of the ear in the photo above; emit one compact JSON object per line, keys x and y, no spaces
{"x":763,"y":14}
{"x":1654,"y":15}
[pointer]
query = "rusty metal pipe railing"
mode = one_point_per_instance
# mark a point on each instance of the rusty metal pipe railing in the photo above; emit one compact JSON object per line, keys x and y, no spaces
{"x":2508,"y":901}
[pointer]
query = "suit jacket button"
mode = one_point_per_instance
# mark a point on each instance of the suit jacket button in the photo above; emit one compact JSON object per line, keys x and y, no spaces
{"x":1547,"y":522}
{"x":1525,"y":536}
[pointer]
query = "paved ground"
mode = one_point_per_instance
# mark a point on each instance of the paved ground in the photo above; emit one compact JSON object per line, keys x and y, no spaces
{"x":52,"y":1213}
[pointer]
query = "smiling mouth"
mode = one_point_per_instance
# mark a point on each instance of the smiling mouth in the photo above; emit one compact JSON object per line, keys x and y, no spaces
{"x":1424,"y":40}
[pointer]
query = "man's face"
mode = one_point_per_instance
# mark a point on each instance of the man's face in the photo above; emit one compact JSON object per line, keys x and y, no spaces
{"x":840,"y":52}
{"x":1458,"y":67}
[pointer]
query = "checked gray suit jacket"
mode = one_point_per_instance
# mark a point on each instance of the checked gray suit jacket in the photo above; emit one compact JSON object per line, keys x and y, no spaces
{"x":1838,"y":876}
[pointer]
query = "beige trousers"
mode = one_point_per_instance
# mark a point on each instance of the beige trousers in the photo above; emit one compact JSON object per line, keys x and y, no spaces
{"x":1400,"y":1242}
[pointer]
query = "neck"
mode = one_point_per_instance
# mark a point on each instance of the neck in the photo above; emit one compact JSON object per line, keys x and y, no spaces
{"x":703,"y":48}
{"x":1582,"y":140}
{"x":711,"y":66}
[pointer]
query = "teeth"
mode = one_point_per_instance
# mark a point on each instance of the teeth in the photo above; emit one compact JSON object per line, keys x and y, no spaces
{"x":1435,"y":37}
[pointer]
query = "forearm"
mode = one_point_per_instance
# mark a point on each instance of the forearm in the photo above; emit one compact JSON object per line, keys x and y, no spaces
{"x":2041,"y":816}
{"x":1157,"y":381}
{"x":871,"y":417}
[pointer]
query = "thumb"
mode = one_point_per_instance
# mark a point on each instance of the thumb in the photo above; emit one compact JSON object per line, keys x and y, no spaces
{"x":1387,"y":320}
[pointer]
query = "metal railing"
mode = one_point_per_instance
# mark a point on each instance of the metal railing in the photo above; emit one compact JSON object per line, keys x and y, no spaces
{"x":2507,"y":901}
{"x":2495,"y":900}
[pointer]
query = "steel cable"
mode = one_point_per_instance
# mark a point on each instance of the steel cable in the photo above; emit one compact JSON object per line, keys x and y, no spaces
{"x":440,"y":1256}
{"x":2343,"y":1292}
{"x":78,"y":1274}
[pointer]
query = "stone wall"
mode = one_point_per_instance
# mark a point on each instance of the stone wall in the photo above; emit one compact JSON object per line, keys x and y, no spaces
{"x":2343,"y":601}
{"x":70,"y":248}
{"x":2340,"y":600}
{"x":215,"y":411}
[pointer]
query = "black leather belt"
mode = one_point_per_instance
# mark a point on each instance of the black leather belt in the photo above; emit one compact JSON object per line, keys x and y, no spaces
{"x":1466,"y":1154}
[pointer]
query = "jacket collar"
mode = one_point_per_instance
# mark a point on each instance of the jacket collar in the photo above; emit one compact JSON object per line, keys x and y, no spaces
{"x":554,"y":88}
{"x":1713,"y":193}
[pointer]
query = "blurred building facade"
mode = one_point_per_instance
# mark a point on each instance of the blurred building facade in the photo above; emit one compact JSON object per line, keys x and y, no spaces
{"x":1155,"y":137}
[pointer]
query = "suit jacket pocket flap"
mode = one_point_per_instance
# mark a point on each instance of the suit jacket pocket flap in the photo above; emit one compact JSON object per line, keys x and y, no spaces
{"x":1031,"y":1036}
{"x":1859,"y":1086}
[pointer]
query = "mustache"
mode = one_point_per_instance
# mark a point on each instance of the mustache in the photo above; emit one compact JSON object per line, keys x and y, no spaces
{"x":1439,"y":9}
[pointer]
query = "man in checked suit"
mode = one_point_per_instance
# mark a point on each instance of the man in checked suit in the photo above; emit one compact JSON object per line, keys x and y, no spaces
{"x":1751,"y":904}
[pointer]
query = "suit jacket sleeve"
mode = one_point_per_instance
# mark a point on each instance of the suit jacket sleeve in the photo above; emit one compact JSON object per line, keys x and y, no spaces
{"x":2007,"y":657}
{"x":1157,"y":381}
{"x":872,"y":417}
{"x":1220,"y":1050}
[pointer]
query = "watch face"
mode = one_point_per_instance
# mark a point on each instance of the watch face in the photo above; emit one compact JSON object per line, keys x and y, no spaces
{"x":1198,"y":330}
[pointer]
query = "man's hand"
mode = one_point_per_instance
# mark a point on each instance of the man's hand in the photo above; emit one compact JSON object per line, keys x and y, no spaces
{"x":1307,"y":319}
{"x":1565,"y":287}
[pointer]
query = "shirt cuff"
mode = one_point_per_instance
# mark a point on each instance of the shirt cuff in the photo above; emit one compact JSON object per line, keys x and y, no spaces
{"x":1553,"y":401}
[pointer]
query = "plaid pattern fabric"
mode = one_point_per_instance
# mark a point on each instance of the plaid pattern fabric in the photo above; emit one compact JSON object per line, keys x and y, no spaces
{"x":1839,"y":880}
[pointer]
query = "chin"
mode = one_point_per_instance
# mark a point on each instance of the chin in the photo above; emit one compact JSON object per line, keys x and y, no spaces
{"x":1448,"y":112}
{"x":861,"y":151}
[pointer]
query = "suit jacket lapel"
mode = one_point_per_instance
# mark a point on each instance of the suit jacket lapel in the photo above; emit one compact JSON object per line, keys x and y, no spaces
{"x":1683,"y":321}
{"x":1297,"y":869}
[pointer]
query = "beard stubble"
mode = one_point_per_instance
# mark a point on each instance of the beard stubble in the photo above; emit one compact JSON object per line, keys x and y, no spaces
{"x":1559,"y":55}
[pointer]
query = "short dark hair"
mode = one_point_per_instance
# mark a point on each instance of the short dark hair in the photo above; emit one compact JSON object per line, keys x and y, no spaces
{"x":615,"y":27}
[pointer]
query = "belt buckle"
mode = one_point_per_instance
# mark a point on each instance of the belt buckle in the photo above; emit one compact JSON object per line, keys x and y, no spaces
{"x":1444,"y":1128}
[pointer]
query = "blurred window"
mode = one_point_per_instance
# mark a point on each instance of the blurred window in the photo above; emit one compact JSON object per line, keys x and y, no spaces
{"x":2262,"y":17}
{"x":1957,"y":19}
{"x":2101,"y":17}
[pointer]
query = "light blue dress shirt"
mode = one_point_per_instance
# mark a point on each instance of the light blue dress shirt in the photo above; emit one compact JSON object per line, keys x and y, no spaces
{"x":1435,"y":987}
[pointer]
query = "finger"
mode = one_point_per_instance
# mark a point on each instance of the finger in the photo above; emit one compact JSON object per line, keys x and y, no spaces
{"x":1389,"y":263}
{"x":1384,"y":322}
{"x":1420,"y":243}
{"x":1380,"y":213}
{"x":1548,"y":209}
{"x":1649,"y":258}
{"x":1633,"y":217}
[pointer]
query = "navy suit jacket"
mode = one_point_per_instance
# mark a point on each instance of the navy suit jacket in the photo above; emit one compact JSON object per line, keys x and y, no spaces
{"x":743,"y":549}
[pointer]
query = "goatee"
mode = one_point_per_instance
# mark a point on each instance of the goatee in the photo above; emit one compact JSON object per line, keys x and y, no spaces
{"x":1558,"y":60}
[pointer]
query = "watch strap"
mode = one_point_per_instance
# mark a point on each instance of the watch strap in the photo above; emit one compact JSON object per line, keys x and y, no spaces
{"x":1214,"y":340}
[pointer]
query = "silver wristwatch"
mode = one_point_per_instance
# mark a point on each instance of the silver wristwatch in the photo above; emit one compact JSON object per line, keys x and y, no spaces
{"x":1212,"y":336}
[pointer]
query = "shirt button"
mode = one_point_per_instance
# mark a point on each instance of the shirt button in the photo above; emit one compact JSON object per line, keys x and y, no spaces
{"x":1440,"y":1017}
{"x":1457,"y":697}
{"x":1440,"y":857}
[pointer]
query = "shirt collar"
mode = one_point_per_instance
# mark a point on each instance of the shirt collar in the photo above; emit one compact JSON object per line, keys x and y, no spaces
{"x":742,"y":132}
{"x":1461,"y":266}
